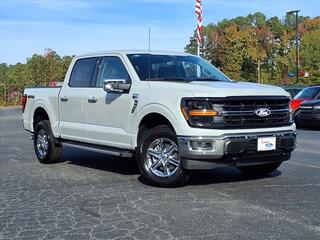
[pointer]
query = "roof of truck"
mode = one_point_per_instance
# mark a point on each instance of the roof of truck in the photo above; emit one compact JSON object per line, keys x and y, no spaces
{"x":155,"y":52}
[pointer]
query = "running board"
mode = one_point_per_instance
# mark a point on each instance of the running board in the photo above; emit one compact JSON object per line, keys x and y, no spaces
{"x":99,"y":148}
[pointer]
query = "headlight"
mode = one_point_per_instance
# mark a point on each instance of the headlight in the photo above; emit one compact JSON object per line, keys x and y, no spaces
{"x":198,"y":113}
{"x":317,"y":107}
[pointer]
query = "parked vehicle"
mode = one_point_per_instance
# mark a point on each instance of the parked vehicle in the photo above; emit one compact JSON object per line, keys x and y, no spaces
{"x":307,"y":94}
{"x":293,"y":89}
{"x":309,"y":114}
{"x":172,"y":111}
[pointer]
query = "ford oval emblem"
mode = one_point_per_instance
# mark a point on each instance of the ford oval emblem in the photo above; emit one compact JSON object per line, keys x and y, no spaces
{"x":263,"y":112}
{"x":269,"y":145}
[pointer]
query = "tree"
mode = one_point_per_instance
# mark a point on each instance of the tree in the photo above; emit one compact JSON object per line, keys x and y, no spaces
{"x":254,"y":48}
{"x":39,"y":70}
{"x":310,"y":56}
{"x":3,"y":82}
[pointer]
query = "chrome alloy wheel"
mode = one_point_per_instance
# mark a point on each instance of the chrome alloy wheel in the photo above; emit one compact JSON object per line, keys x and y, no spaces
{"x":42,"y":143}
{"x":163,"y":157}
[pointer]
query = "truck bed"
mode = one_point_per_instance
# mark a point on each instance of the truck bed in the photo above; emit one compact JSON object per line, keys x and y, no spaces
{"x":42,"y":97}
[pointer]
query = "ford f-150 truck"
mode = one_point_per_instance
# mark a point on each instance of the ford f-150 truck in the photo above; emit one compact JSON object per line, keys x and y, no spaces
{"x":171,"y":111}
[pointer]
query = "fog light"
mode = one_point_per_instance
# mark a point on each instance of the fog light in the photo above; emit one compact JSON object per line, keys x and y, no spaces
{"x":199,"y":145}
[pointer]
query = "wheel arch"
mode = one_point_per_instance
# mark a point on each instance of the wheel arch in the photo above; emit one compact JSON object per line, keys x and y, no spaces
{"x":41,"y":109}
{"x":152,"y":120}
{"x":151,"y":116}
{"x":39,"y":114}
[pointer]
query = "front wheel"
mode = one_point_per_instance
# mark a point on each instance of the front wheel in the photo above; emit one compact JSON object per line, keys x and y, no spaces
{"x":158,"y":158}
{"x":259,"y":169}
{"x":47,"y":148}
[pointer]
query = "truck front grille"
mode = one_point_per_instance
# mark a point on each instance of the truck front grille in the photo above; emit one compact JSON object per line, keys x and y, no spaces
{"x":240,"y":112}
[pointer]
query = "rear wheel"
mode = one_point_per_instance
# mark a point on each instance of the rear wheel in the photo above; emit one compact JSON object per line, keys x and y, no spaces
{"x":259,"y":169}
{"x":47,"y":148}
{"x":158,"y":158}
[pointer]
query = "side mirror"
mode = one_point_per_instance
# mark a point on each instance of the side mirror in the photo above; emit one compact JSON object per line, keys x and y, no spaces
{"x":116,"y":86}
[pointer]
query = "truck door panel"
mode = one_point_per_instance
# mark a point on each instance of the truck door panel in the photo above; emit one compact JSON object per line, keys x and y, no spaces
{"x":73,"y":100}
{"x":108,"y":116}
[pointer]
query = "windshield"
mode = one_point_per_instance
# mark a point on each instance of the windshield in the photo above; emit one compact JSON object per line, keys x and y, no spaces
{"x":308,"y":93}
{"x":174,"y":68}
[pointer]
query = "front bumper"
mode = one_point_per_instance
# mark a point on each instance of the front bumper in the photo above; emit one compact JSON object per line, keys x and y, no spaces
{"x":235,"y":150}
{"x":312,"y":118}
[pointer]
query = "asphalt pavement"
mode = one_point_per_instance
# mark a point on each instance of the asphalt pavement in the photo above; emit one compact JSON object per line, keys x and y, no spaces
{"x":94,"y":196}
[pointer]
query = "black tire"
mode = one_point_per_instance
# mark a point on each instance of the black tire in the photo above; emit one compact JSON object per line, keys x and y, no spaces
{"x":54,"y":148}
{"x":179,"y":177}
{"x":260,"y":170}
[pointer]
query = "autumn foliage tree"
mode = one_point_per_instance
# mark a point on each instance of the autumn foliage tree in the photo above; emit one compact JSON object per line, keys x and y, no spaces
{"x":38,"y":70}
{"x":257,"y":49}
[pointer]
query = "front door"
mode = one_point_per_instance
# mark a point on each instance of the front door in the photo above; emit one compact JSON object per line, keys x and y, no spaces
{"x":109,"y":113}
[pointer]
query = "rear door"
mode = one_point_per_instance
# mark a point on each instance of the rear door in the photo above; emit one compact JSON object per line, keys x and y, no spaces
{"x":73,"y":100}
{"x":109,"y":113}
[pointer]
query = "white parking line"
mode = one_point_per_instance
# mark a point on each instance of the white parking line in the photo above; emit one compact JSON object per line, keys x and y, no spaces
{"x":307,"y":150}
{"x":293,"y":185}
{"x":304,"y":165}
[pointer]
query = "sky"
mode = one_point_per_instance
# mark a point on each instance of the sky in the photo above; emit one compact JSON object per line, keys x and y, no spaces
{"x":72,"y":27}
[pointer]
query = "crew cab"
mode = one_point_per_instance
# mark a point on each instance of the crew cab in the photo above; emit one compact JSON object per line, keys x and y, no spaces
{"x":171,"y":111}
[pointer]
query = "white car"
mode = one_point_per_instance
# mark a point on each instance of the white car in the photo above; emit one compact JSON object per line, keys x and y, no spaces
{"x":172,"y":111}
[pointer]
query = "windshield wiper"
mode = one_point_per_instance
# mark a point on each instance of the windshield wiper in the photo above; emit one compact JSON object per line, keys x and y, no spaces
{"x":167,"y":79}
{"x":179,"y":79}
{"x":206,"y":79}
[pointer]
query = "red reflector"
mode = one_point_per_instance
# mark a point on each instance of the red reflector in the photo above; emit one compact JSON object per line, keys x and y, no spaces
{"x":23,"y":102}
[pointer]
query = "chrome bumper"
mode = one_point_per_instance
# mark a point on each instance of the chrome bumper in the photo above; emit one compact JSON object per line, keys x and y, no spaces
{"x":232,"y":149}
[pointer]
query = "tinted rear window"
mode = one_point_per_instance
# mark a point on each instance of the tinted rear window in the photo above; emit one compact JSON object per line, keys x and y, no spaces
{"x":83,"y":72}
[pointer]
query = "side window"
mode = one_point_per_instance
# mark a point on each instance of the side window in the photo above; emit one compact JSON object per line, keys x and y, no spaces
{"x":83,"y":72}
{"x":112,"y":68}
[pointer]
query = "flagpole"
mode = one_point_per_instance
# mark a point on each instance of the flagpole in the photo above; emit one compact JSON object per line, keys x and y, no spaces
{"x":199,"y":24}
{"x":198,"y":50}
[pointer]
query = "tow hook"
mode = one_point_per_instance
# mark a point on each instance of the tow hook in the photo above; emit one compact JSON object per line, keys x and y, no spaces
{"x":234,"y":160}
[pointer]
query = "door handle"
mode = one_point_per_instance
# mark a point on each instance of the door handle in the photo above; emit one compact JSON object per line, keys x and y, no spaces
{"x":92,"y":99}
{"x":64,"y":98}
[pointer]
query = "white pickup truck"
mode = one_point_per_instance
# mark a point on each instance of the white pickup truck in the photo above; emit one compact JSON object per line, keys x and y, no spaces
{"x":171,"y":111}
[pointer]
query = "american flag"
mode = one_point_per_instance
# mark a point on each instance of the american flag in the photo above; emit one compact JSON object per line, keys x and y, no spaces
{"x":199,"y":15}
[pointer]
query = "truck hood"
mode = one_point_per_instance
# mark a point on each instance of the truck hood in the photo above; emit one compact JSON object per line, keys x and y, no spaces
{"x":221,"y":89}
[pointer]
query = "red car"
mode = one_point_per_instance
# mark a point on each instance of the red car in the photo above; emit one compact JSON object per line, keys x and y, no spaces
{"x":307,"y":94}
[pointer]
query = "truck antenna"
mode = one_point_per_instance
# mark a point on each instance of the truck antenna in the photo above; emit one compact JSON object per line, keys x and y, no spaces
{"x":149,"y":60}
